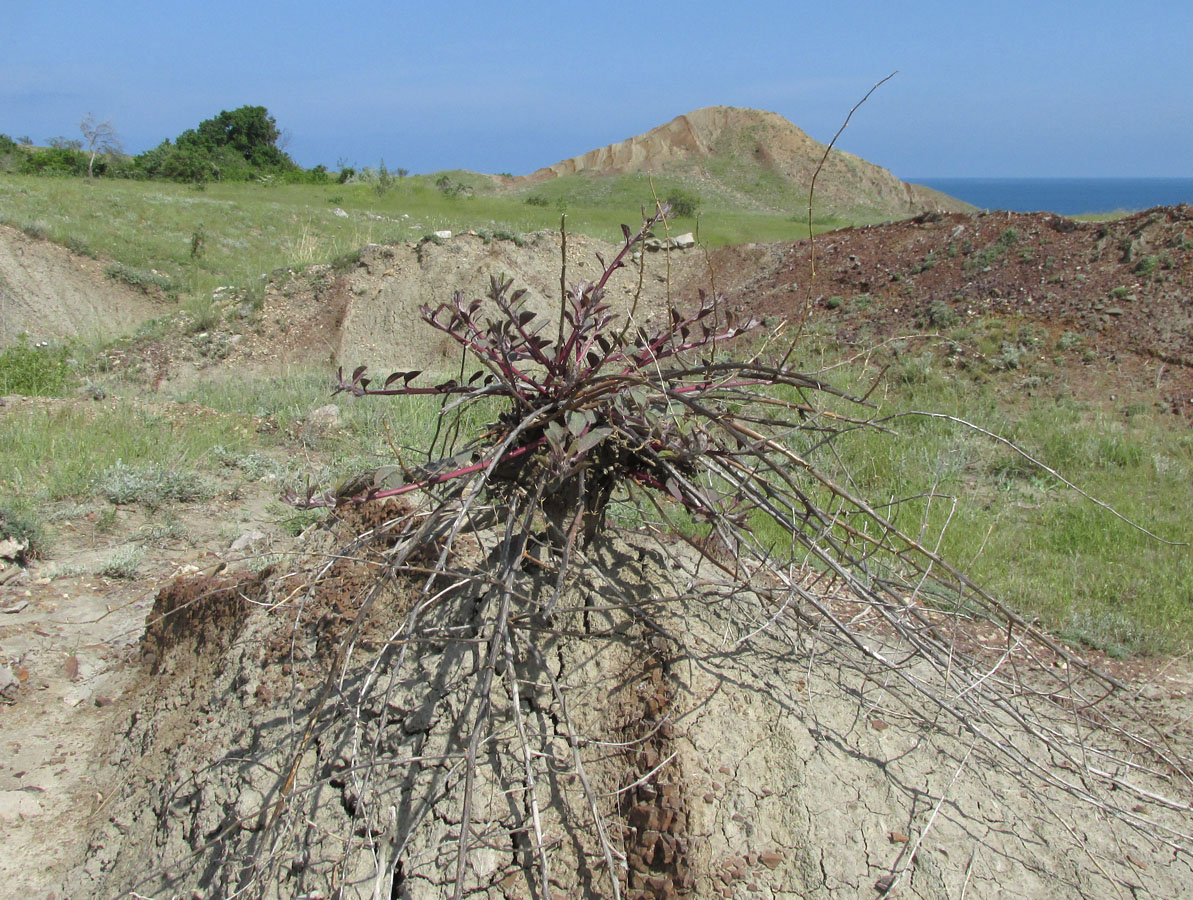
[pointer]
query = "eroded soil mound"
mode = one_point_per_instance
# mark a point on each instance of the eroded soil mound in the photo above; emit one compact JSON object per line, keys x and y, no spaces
{"x":718,"y":748}
{"x":1121,"y":290}
{"x":367,"y":311}
{"x":47,"y":292}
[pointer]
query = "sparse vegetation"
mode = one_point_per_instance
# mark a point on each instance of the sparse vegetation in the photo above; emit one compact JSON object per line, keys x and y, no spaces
{"x":141,"y":279}
{"x":151,"y":484}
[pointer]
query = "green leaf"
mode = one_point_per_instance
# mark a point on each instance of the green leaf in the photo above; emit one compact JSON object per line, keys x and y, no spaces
{"x":590,"y":440}
{"x":576,"y":423}
{"x":387,"y":477}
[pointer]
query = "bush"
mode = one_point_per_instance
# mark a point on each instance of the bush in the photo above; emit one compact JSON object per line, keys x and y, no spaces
{"x":23,"y":530}
{"x":1069,"y":340}
{"x":234,"y":146}
{"x":1147,"y":266}
{"x":150,"y":484}
{"x":34,"y":371}
{"x":141,"y":279}
{"x":941,"y":315}
{"x":123,"y":563}
{"x":597,"y":426}
{"x":683,"y":204}
{"x":56,"y":161}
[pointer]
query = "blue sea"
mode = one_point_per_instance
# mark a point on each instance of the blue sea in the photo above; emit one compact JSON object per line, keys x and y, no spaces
{"x":1065,"y":196}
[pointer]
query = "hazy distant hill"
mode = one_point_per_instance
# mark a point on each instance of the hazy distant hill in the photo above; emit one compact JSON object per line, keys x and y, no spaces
{"x":759,"y":159}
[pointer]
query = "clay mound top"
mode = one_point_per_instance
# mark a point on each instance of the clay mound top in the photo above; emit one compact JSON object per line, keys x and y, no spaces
{"x":691,"y":137}
{"x":728,"y":144}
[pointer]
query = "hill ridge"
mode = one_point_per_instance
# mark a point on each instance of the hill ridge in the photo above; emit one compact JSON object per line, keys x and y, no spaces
{"x":738,"y":146}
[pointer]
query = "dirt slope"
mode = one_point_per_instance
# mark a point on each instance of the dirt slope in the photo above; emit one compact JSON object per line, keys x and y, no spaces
{"x":701,"y":141}
{"x":47,"y":292}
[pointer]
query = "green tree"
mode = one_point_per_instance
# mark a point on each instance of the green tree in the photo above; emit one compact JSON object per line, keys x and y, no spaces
{"x":250,"y":131}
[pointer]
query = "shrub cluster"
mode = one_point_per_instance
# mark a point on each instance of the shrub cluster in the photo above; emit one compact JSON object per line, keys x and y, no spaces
{"x":236,"y":145}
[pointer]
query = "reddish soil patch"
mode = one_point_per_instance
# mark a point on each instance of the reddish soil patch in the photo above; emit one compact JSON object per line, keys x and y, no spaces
{"x":1121,"y":289}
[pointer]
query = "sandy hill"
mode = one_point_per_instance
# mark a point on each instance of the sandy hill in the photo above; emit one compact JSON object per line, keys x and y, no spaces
{"x":747,"y":149}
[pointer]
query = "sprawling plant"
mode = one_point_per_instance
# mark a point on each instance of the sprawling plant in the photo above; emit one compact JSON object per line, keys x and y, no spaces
{"x":698,"y":430}
{"x":592,"y":403}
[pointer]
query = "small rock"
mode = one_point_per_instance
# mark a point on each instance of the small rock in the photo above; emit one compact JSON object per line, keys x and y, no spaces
{"x":102,"y":701}
{"x":770,"y":858}
{"x":322,"y":420}
{"x":246,"y":541}
{"x":897,"y":837}
{"x":13,"y":549}
{"x":443,"y":235}
{"x":339,"y":212}
{"x":884,"y":884}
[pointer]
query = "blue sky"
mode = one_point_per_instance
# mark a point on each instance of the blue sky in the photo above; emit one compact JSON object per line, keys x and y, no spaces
{"x":992,"y":89}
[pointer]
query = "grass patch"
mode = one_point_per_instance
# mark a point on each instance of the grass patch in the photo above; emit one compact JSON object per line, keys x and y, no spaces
{"x":62,"y":452}
{"x":149,"y":229}
{"x":41,"y":371}
{"x":1051,"y":553}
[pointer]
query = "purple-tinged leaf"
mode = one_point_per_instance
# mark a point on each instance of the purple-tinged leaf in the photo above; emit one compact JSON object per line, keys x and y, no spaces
{"x":410,"y":376}
{"x":673,"y":489}
{"x":555,"y":434}
{"x":625,"y":230}
{"x":591,"y":439}
{"x":360,"y":370}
